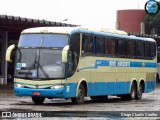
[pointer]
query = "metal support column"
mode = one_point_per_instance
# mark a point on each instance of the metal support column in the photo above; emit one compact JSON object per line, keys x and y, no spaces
{"x":4,"y":63}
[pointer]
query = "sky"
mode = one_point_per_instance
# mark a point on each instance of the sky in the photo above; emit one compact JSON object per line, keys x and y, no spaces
{"x":90,"y":13}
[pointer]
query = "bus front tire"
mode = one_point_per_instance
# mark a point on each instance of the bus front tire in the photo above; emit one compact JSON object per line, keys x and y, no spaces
{"x":80,"y":97}
{"x":38,"y":100}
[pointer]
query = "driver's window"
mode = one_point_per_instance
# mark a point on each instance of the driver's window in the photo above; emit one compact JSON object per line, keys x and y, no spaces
{"x":70,"y":65}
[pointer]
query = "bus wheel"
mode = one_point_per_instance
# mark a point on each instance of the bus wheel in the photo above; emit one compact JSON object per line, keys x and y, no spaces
{"x":139,"y":92}
{"x":80,"y":97}
{"x":157,"y":78}
{"x":38,"y":100}
{"x":132,"y":95}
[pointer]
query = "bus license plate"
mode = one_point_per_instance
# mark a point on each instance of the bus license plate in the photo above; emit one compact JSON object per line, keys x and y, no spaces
{"x":36,"y":94}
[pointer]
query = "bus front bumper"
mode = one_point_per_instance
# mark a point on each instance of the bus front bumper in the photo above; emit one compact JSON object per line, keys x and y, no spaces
{"x":57,"y":93}
{"x":65,"y":92}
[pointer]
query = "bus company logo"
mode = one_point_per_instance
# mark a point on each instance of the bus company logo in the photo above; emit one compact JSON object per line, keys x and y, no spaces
{"x":10,"y":115}
{"x":6,"y":114}
{"x":36,"y":85}
{"x":143,"y":64}
{"x":152,"y":7}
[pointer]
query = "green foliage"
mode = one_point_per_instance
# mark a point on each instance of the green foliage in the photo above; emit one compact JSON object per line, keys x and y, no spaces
{"x":153,"y":22}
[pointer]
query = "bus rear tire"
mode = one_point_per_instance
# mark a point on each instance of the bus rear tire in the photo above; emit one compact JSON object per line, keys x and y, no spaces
{"x":157,"y":78}
{"x":132,"y":95}
{"x":80,"y":97}
{"x":38,"y":100}
{"x":139,"y":92}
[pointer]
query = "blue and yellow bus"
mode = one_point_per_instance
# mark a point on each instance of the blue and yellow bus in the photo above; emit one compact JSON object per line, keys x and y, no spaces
{"x":74,"y":62}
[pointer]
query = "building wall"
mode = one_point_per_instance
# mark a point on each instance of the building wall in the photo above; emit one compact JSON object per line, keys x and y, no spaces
{"x":130,"y":20}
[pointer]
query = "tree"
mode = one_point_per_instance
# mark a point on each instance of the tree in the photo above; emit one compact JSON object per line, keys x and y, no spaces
{"x":153,"y":22}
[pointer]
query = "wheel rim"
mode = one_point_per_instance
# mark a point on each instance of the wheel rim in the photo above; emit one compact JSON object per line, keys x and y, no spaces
{"x":133,"y":93}
{"x":140,"y":91}
{"x":80,"y":94}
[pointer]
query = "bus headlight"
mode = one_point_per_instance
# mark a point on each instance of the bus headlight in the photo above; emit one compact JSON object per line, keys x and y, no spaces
{"x":57,"y":86}
{"x":19,"y":85}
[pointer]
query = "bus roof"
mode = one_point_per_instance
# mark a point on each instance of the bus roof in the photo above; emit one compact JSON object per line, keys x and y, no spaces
{"x":67,"y":30}
{"x":64,"y":30}
{"x":95,"y":31}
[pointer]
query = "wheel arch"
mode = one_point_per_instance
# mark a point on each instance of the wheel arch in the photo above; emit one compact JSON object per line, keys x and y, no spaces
{"x":133,"y":81}
{"x":157,"y":77}
{"x":137,"y":83}
{"x":84,"y":83}
{"x":142,"y":82}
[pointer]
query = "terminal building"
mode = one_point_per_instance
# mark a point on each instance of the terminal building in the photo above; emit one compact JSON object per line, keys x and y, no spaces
{"x":10,"y":29}
{"x":131,"y":20}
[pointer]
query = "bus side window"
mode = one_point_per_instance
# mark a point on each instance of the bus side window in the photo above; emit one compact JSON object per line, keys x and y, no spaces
{"x":70,"y":67}
{"x":100,"y":45}
{"x":140,"y":49}
{"x":110,"y":46}
{"x":158,"y":57}
{"x":87,"y":44}
{"x":72,"y":63}
{"x":73,"y":57}
{"x":147,"y":50}
{"x":122,"y":47}
{"x":75,"y":43}
{"x":153,"y":49}
{"x":131,"y":47}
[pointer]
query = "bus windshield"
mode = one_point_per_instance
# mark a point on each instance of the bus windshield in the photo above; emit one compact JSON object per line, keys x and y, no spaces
{"x":39,"y":64}
{"x":39,"y":56}
{"x":43,"y":40}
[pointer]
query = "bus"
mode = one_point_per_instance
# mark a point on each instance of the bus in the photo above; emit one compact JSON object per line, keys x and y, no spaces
{"x":76,"y":62}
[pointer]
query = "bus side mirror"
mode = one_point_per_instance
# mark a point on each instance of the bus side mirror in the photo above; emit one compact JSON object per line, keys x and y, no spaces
{"x":65,"y":54}
{"x":9,"y":51}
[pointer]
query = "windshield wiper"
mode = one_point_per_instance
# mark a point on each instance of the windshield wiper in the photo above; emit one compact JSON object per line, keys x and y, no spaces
{"x":38,"y":66}
{"x":32,"y":65}
{"x":43,"y":71}
{"x":20,"y":55}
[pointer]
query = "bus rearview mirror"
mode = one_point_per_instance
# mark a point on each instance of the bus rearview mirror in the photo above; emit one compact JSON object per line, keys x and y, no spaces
{"x":9,"y":51}
{"x":65,"y":54}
